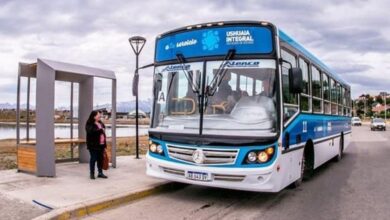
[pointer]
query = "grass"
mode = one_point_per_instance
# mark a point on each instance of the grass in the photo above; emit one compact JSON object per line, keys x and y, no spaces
{"x":7,"y":154}
{"x":125,"y":146}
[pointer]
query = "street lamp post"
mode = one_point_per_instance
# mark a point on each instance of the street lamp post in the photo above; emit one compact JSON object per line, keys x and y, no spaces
{"x":137,"y":43}
{"x":384,"y":94}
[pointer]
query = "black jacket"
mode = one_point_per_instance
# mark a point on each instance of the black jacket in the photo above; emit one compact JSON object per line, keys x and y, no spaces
{"x":93,"y":136}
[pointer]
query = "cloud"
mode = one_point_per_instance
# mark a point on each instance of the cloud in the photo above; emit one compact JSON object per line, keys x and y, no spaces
{"x":352,"y":68}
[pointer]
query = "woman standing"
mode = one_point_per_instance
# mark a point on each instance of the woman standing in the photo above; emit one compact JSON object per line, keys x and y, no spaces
{"x":96,"y":143}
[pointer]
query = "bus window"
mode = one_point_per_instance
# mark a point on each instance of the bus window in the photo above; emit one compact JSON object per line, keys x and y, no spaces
{"x":345,"y":107}
{"x":233,"y":81}
{"x":316,"y":88}
{"x":333,"y":97}
{"x":340,"y":99}
{"x":182,"y":87}
{"x":290,"y":106}
{"x":236,"y":90}
{"x":258,"y":87}
{"x":349,"y":102}
{"x":325,"y":86}
{"x":246,"y":85}
{"x":305,"y":95}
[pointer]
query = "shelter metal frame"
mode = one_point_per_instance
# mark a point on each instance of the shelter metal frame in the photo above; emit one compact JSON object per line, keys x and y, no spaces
{"x":38,"y":156}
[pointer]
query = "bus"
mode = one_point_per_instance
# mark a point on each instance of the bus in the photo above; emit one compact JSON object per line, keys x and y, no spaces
{"x":241,"y":105}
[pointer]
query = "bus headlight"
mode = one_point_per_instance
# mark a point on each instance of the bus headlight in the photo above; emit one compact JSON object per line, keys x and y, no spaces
{"x":262,"y":157}
{"x":270,"y":151}
{"x":159,"y":149}
{"x":153,"y":147}
{"x":252,"y":156}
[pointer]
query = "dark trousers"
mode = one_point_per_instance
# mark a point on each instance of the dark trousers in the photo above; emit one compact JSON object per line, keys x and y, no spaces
{"x":96,"y":156}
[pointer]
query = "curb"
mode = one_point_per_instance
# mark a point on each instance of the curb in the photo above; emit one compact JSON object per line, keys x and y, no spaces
{"x":86,"y":208}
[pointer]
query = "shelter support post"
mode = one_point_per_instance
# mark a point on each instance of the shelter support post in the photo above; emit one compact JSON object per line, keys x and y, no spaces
{"x":18,"y":108}
{"x":85,"y":100}
{"x":28,"y":109}
{"x":45,"y":148}
{"x":71,"y":120}
{"x":113,"y":123}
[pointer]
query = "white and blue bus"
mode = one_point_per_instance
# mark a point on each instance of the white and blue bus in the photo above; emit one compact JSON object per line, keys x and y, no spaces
{"x":241,"y":105}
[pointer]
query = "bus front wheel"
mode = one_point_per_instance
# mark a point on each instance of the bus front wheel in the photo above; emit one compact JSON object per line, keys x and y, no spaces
{"x":309,"y":161}
{"x":307,"y":165}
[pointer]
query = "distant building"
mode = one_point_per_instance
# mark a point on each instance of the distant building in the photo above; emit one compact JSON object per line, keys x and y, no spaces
{"x":141,"y":114}
{"x":378,"y":108}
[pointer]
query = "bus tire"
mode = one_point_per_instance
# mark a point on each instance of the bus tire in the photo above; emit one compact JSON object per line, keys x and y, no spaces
{"x":309,"y":160}
{"x":341,"y":149}
{"x":307,"y":165}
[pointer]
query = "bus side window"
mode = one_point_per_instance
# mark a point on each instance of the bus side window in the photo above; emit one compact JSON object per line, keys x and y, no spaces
{"x":305,"y":95}
{"x":246,"y":86}
{"x":325,"y":83}
{"x":233,"y":81}
{"x":333,"y":97}
{"x":258,"y":86}
{"x":316,"y":89}
{"x":290,"y":105}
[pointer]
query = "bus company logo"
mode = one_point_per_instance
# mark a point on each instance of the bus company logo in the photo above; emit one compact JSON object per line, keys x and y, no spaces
{"x":210,"y":40}
{"x":198,"y":156}
{"x":175,"y":68}
{"x":238,"y":64}
{"x":239,"y":37}
{"x":169,"y":46}
{"x":185,"y":43}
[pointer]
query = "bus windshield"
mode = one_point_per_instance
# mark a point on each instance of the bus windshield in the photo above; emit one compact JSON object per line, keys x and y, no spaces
{"x":242,"y":104}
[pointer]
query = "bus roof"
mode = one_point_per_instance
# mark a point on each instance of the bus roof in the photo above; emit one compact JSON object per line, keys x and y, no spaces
{"x":299,"y":47}
{"x":282,"y":35}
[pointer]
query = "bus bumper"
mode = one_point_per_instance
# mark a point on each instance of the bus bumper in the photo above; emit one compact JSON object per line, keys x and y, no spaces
{"x":248,"y":179}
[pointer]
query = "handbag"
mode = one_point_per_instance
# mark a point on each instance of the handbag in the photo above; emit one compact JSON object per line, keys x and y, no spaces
{"x":105,"y":160}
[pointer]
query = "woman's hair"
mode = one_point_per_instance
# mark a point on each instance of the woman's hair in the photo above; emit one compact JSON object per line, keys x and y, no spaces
{"x":91,"y":118}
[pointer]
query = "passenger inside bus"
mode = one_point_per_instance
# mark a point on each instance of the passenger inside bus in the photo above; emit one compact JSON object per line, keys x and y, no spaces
{"x":266,"y":89}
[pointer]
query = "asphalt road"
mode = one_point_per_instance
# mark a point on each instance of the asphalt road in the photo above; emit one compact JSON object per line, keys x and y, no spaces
{"x":358,"y":187}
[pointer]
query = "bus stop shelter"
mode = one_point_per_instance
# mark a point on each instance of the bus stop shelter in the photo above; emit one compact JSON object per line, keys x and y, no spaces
{"x":38,"y":156}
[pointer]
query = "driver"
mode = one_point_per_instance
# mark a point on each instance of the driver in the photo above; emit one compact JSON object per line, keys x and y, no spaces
{"x":224,"y":95}
{"x":224,"y":89}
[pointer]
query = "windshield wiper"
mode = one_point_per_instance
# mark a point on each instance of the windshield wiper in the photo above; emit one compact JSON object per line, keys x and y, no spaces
{"x":221,"y":72}
{"x":195,"y":87}
{"x":217,"y":79}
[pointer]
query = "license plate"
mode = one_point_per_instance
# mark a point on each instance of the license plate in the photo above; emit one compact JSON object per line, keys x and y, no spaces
{"x":198,"y":176}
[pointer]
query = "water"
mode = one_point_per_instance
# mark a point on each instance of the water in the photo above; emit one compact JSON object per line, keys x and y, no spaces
{"x":63,"y":131}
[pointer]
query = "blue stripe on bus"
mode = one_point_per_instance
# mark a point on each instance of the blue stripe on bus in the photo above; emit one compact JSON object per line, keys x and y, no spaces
{"x":296,"y":45}
{"x":317,"y":126}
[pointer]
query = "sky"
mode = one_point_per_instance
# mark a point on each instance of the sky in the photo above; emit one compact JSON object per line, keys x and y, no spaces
{"x":352,"y":37}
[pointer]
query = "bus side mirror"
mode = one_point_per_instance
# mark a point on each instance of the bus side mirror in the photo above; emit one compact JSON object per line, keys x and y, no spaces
{"x":157,"y":84}
{"x":296,"y":80}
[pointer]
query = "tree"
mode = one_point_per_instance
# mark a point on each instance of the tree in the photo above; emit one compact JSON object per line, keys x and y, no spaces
{"x":379,"y":99}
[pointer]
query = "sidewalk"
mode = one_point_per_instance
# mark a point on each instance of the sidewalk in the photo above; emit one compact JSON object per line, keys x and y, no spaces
{"x":71,"y":187}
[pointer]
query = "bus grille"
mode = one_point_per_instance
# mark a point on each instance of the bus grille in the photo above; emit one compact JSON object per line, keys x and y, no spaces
{"x":211,"y":156}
